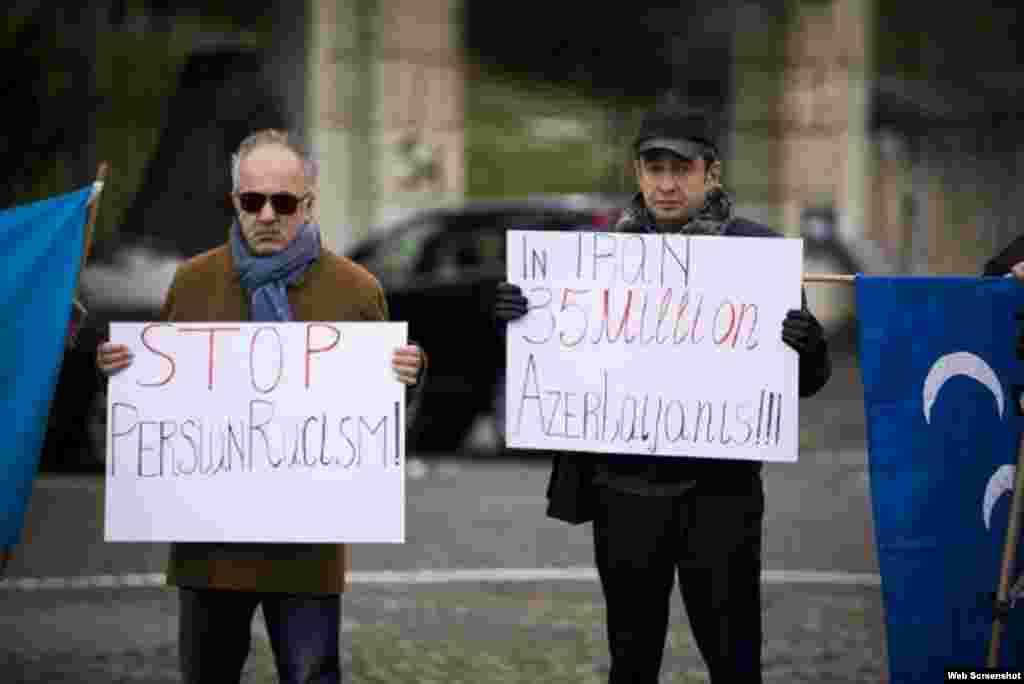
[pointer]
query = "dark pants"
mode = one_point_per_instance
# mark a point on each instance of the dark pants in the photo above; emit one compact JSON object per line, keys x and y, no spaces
{"x":214,"y":635}
{"x":712,"y":539}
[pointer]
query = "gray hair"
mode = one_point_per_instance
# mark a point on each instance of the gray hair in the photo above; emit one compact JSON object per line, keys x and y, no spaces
{"x":271,"y":136}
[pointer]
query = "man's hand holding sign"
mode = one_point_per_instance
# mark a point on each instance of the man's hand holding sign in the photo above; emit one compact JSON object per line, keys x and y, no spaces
{"x":212,"y":420}
{"x":656,"y":347}
{"x":655,"y":344}
{"x":261,"y":408}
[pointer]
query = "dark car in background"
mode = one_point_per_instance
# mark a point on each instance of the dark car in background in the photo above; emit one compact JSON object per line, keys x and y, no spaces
{"x":439,"y":269}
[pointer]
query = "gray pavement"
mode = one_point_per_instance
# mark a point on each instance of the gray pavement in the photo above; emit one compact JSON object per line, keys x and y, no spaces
{"x":499,"y":627}
{"x":478,"y":632}
{"x":414,"y":614}
{"x":465,"y":514}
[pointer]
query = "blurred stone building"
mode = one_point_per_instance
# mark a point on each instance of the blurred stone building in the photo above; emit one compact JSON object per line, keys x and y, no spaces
{"x":906,"y":123}
{"x":903,"y":125}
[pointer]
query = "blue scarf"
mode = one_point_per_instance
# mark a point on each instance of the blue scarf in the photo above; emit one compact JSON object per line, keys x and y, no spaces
{"x":266,"y":278}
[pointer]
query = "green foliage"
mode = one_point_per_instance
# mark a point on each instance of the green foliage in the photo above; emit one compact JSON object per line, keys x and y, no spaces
{"x":69,"y":90}
{"x":136,"y":74}
{"x":525,"y":138}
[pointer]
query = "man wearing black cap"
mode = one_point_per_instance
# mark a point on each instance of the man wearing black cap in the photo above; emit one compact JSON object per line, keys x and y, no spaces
{"x":657,"y":517}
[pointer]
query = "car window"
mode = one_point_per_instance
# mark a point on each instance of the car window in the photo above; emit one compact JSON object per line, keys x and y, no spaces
{"x":397,"y":256}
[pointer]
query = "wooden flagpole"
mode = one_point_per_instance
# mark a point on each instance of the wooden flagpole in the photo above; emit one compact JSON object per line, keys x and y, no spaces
{"x":1001,"y":607}
{"x":1002,"y":604}
{"x":94,"y":209}
{"x":79,"y":312}
{"x":848,"y":279}
{"x":101,"y":174}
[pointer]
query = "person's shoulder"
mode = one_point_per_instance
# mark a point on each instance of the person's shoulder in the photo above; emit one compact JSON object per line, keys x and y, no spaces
{"x":199,"y":269}
{"x":212,"y":259}
{"x":346,"y":271}
{"x":741,"y":227}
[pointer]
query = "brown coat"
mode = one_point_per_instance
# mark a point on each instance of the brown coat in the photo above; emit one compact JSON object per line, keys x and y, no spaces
{"x":207,"y":288}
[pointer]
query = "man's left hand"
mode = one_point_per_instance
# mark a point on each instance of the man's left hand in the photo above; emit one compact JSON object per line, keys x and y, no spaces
{"x":802,"y":331}
{"x":407,"y":363}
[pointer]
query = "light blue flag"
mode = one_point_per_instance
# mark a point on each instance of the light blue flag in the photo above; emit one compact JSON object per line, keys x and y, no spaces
{"x":941,"y":386}
{"x":41,"y":248}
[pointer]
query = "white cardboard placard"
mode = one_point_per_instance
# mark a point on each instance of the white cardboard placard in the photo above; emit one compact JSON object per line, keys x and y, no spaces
{"x":256,"y":432}
{"x":698,"y":368}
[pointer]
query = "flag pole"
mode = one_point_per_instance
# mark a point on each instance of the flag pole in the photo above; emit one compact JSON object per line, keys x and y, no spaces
{"x":846,"y":278}
{"x":79,"y":312}
{"x":1001,"y":608}
{"x":94,"y":209}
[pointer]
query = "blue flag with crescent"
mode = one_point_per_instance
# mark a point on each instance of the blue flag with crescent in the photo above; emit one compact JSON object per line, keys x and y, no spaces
{"x":941,"y":387}
{"x":41,"y":246}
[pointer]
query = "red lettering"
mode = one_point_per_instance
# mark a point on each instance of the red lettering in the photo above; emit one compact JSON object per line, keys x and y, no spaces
{"x":732,"y":323}
{"x":170,"y":360}
{"x":212,"y":332}
{"x":622,"y":323}
{"x":663,"y":312}
{"x":683,"y":303}
{"x":696,"y":321}
{"x":568,"y":303}
{"x":309,"y":349}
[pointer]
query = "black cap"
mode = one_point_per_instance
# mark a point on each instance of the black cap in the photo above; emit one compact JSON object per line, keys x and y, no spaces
{"x":685,"y":131}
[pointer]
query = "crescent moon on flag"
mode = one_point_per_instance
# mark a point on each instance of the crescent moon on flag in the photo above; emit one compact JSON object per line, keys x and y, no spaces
{"x":959,"y":363}
{"x":1000,"y":483}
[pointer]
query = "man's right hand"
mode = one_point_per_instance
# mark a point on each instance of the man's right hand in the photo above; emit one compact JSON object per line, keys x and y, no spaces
{"x":111,"y":358}
{"x":509,"y":302}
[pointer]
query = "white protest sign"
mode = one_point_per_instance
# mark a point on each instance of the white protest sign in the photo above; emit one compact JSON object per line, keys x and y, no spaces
{"x":256,"y":432}
{"x":664,"y":344}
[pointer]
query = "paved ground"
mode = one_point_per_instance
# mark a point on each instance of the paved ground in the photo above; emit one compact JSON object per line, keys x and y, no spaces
{"x":498,"y":627}
{"x":478,"y":632}
{"x":486,"y":629}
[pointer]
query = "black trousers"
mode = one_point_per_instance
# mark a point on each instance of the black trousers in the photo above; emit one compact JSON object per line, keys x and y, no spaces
{"x":711,"y":537}
{"x":214,"y":627}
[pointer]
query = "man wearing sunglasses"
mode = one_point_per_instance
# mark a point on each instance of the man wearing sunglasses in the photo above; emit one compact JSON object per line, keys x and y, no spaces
{"x":273,"y":268}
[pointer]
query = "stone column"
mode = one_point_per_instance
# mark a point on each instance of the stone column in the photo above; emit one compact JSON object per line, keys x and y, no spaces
{"x":342,"y":97}
{"x":387,"y":109}
{"x":801,"y":112}
{"x":420,"y":125}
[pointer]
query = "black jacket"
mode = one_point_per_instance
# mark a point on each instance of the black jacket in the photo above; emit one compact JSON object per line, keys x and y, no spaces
{"x":570,"y":488}
{"x":1001,"y":263}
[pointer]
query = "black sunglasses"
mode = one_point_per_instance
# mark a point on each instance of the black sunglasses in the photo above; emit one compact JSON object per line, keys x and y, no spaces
{"x":283,"y":203}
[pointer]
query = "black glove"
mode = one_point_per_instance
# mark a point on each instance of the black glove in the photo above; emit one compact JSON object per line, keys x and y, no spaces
{"x":509,"y":302}
{"x":802,"y":331}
